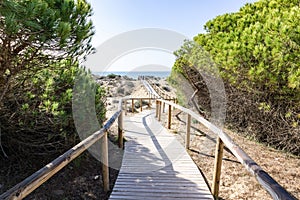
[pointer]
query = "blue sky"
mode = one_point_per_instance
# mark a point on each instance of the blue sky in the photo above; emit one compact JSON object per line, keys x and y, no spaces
{"x":187,"y":17}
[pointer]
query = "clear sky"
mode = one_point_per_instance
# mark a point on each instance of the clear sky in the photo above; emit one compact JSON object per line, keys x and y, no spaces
{"x":187,"y":17}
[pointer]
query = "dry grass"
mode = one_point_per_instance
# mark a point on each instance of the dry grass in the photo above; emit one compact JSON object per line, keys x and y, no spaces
{"x":236,"y":181}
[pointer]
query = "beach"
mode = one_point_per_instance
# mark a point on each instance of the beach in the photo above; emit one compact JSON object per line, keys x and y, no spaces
{"x":118,"y":87}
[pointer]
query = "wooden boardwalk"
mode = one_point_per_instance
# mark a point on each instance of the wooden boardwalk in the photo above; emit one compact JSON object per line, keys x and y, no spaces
{"x":155,"y":165}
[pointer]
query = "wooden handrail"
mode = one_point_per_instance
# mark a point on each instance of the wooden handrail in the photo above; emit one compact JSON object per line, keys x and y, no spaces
{"x":161,"y":93}
{"x":32,"y":182}
{"x":150,"y":89}
{"x":264,"y":179}
{"x":28,"y":185}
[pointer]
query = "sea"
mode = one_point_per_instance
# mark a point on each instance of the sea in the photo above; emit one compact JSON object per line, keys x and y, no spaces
{"x":135,"y":74}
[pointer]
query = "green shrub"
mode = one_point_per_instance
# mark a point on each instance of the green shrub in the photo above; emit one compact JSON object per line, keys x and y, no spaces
{"x":257,"y":51}
{"x":37,"y":116}
{"x":112,"y":76}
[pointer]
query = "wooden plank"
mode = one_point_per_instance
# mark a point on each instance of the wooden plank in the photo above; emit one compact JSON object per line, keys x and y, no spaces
{"x":151,"y":183}
{"x":161,"y":193}
{"x":169,"y":117}
{"x":159,"y":110}
{"x":183,"y":177}
{"x":188,"y":131}
{"x":132,"y":105}
{"x":149,"y":102}
{"x":104,"y":159}
{"x":158,"y":189}
{"x":156,"y":108}
{"x":155,"y":164}
{"x":156,"y":198}
{"x":217,"y":170}
{"x":158,"y":184}
{"x":125,"y":105}
{"x":120,"y":130}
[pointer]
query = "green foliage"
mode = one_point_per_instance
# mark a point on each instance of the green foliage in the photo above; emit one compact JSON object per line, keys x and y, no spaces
{"x":41,"y":43}
{"x":112,"y":76}
{"x":42,"y":108}
{"x":88,"y":104}
{"x":257,"y":51}
{"x":258,"y":47}
{"x":61,"y":24}
{"x":175,"y":80}
{"x":35,"y":32}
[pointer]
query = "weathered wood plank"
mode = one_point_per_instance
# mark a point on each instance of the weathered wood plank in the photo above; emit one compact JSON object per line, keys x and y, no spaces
{"x":155,"y":164}
{"x":156,"y":198}
{"x":169,"y":117}
{"x":217,"y":170}
{"x":188,"y":131}
{"x":104,"y":158}
{"x":178,"y":186}
{"x":139,"y":195}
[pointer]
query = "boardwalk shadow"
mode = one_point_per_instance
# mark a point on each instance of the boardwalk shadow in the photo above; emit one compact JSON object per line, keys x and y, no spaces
{"x":155,"y":165}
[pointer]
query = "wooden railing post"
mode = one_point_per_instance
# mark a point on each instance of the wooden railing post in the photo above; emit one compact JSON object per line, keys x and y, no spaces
{"x":159,"y":110}
{"x":188,"y":131}
{"x":104,"y":157}
{"x":132,"y":105}
{"x":163,"y":108}
{"x":125,"y":102}
{"x":149,"y":103}
{"x":217,"y":170}
{"x":120,"y":130}
{"x":174,"y":102}
{"x":141,"y":104}
{"x":156,"y":109}
{"x":169,"y":117}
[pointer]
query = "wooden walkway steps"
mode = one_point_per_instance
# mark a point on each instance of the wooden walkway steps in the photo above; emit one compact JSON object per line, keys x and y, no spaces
{"x":155,"y":165}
